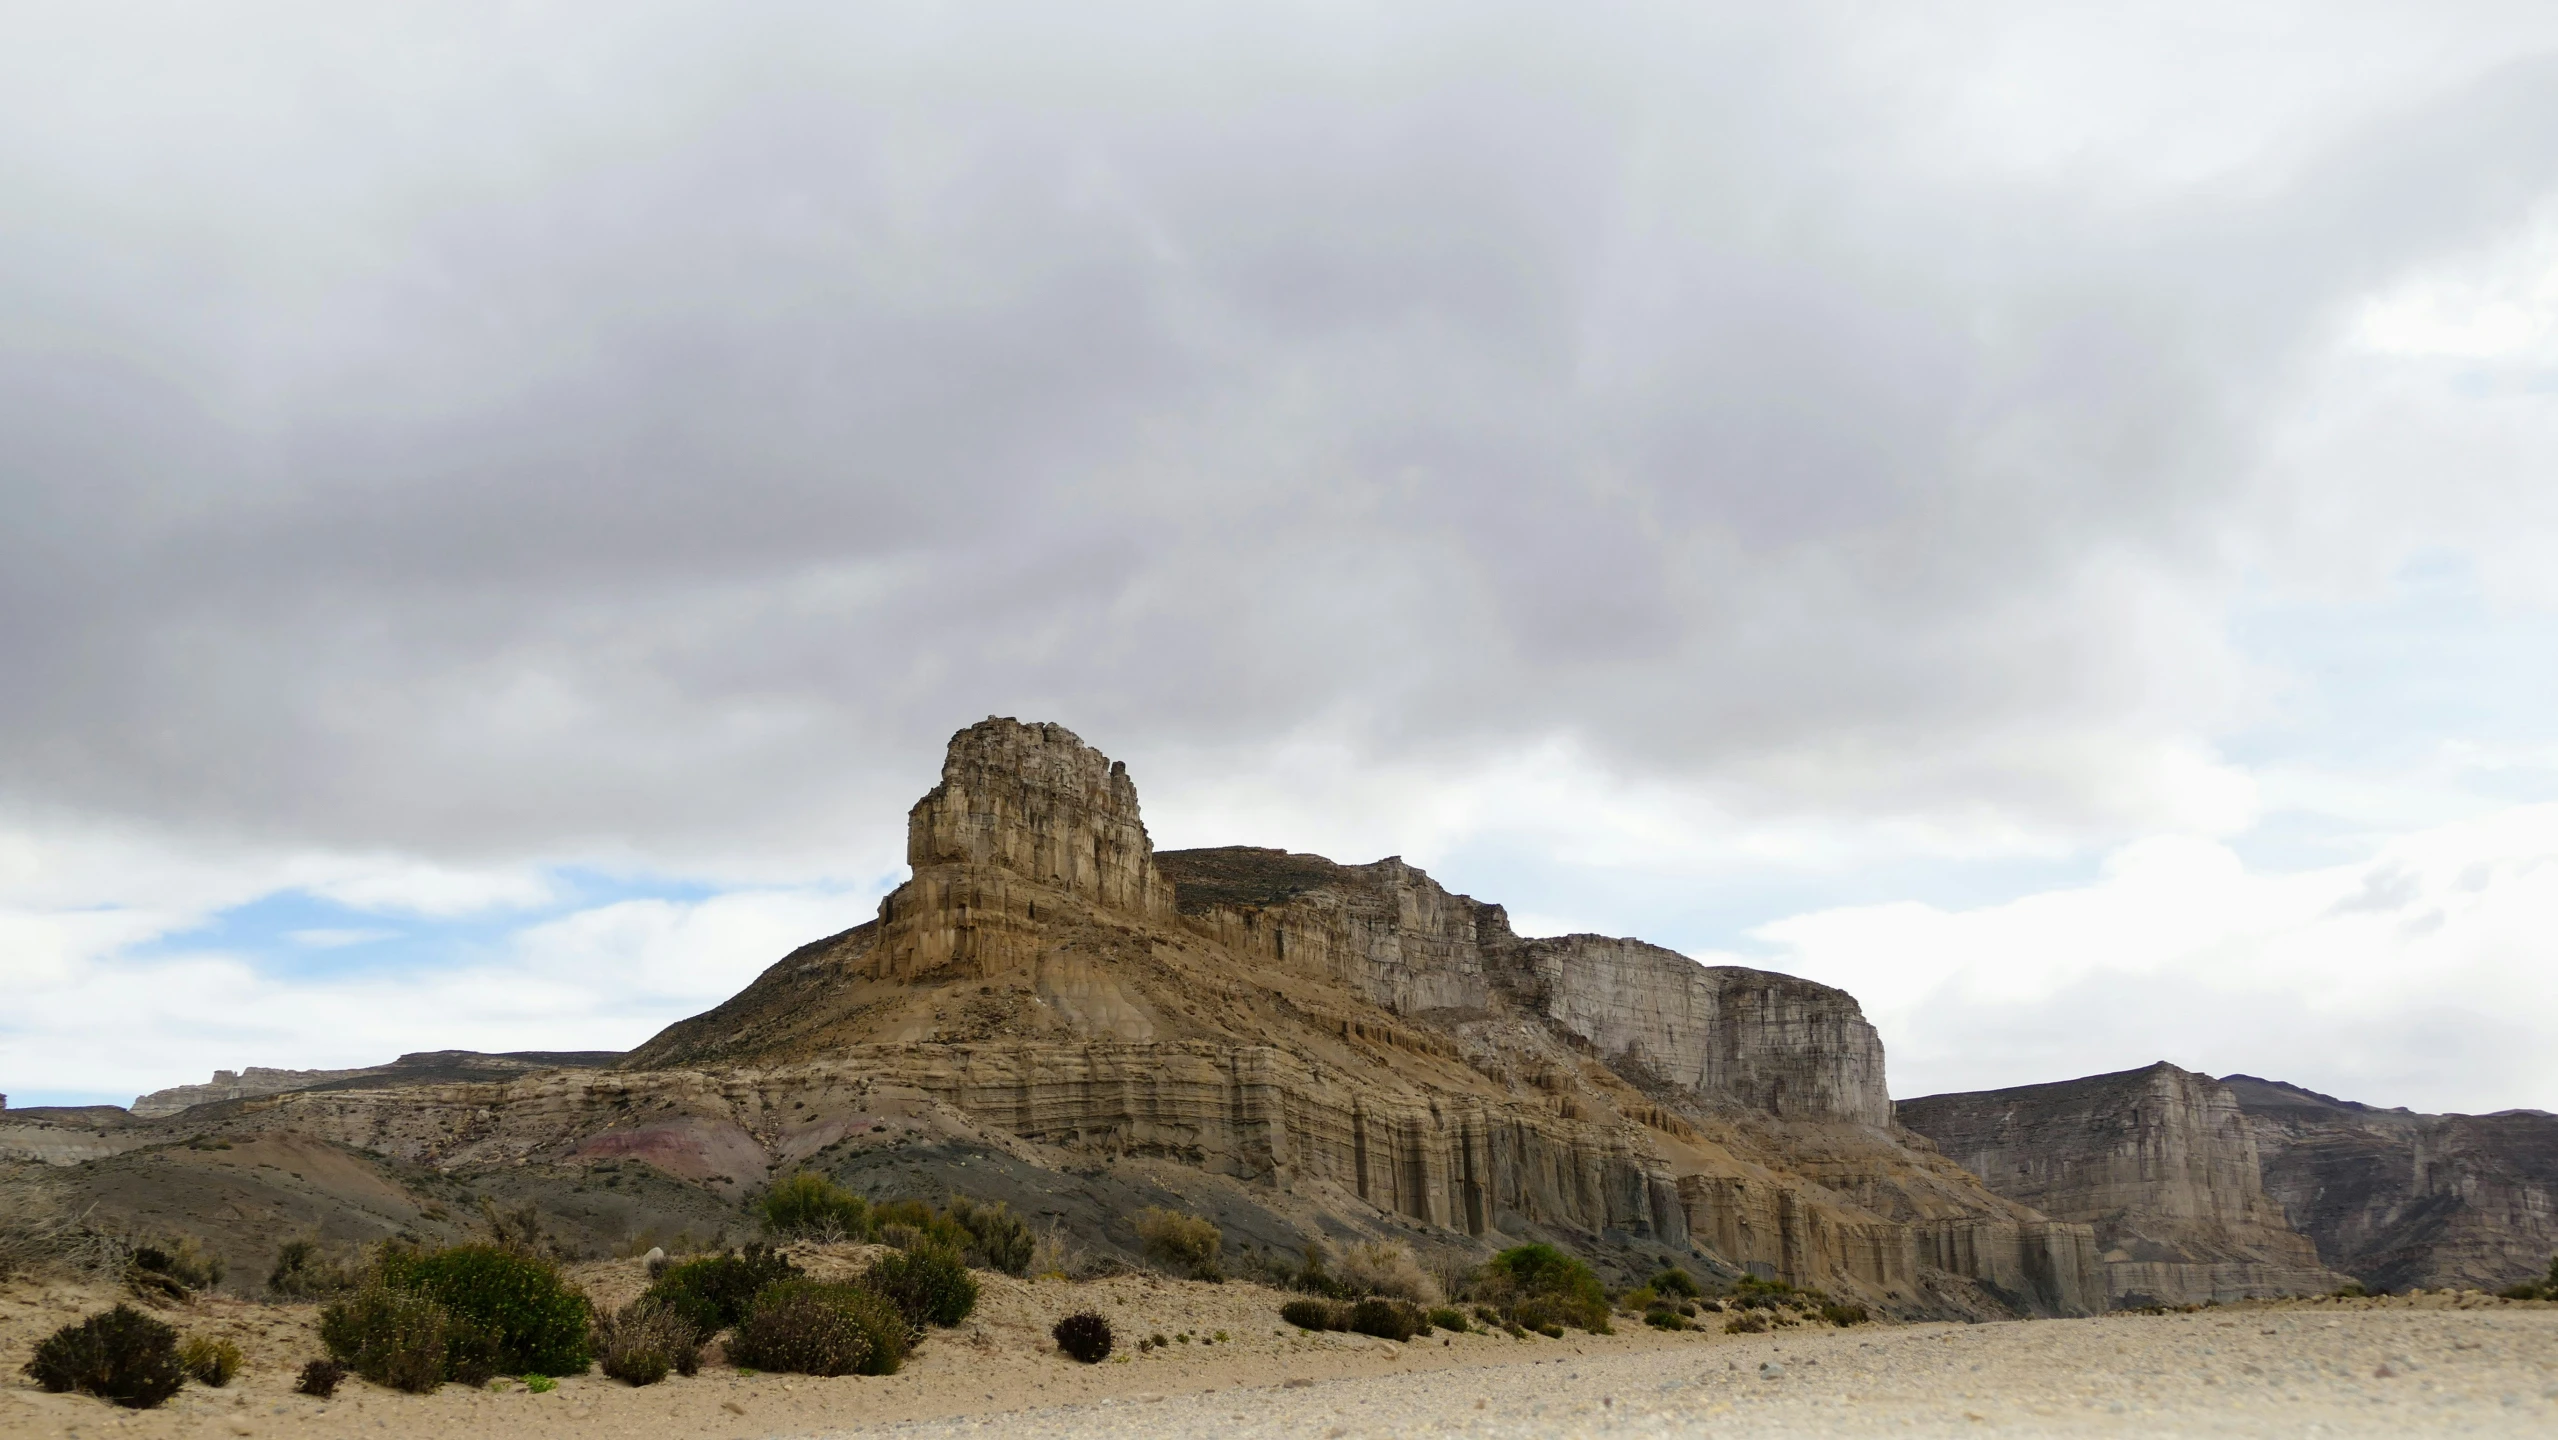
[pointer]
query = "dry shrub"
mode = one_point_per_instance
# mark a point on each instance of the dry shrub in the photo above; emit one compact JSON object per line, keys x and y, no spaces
{"x":304,"y":1270}
{"x":929,"y":1285}
{"x":1182,"y":1242}
{"x":808,"y":1327}
{"x":390,"y":1337}
{"x":174,"y":1269}
{"x":122,"y":1356}
{"x":1386,"y":1319}
{"x":1053,"y":1252}
{"x":320,"y":1377}
{"x":1388,"y":1268}
{"x":639,"y":1345}
{"x":33,"y":1230}
{"x":210,"y":1361}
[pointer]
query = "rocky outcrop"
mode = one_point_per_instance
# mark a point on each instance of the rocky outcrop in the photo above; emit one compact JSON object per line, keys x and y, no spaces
{"x":238,"y":1085}
{"x":2160,"y":1161}
{"x":2399,"y":1199}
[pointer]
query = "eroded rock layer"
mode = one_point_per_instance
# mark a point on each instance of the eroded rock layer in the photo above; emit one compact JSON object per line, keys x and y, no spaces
{"x":2398,"y":1199}
{"x":2160,"y":1161}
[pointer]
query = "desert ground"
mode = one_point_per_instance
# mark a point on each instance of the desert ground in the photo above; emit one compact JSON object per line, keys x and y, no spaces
{"x":2433,"y":1364}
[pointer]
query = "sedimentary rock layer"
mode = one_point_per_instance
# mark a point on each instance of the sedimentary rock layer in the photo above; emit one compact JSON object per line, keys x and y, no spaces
{"x":2160,"y":1161}
{"x":2398,"y":1199}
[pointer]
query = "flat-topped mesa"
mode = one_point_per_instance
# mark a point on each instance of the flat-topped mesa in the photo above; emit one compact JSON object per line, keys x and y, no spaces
{"x":2160,"y":1160}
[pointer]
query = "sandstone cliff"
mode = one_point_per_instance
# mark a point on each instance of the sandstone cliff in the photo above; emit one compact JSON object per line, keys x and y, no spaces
{"x":2397,"y":1199}
{"x":2160,"y":1161}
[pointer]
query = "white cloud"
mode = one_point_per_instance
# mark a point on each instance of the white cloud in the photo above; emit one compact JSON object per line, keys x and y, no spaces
{"x":2410,"y":978}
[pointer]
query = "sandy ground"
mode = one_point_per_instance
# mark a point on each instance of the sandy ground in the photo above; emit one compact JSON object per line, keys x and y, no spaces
{"x":2432,"y":1365}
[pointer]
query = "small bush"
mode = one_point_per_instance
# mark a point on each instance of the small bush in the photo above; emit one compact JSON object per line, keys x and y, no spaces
{"x":1390,"y":1269}
{"x":807,"y":1327}
{"x":2351,"y":1290}
{"x":1448,"y":1317}
{"x":1387,"y":1319}
{"x":1665,"y":1320}
{"x":997,"y":1237}
{"x":1085,"y":1335}
{"x":909,"y":1223}
{"x":1843,"y":1315}
{"x":1639,"y":1299}
{"x":174,"y":1269}
{"x":320,"y":1377}
{"x":389,"y":1336}
{"x":645,"y":1340}
{"x":304,"y":1271}
{"x":540,"y":1384}
{"x":122,"y":1355}
{"x":518,"y":1314}
{"x":209,"y":1361}
{"x":1674,"y":1281}
{"x":1317,"y":1314}
{"x":714,"y":1292}
{"x":810,"y":1205}
{"x":928,"y":1284}
{"x":1748,"y":1322}
{"x":1186,"y":1243}
{"x":2543,"y":1289}
{"x":1540,"y":1287}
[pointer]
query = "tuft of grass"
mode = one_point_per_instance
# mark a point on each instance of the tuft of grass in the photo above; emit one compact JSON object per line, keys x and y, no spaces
{"x":209,"y":1361}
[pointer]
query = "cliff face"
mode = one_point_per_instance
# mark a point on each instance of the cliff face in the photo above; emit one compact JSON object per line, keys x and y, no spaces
{"x":2160,"y":1161}
{"x":2397,"y":1199}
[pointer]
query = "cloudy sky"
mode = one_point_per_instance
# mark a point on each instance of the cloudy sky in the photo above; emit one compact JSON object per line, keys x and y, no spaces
{"x":2046,"y":517}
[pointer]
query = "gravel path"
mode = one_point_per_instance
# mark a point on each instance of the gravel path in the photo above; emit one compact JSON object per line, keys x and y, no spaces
{"x":2274,"y":1372}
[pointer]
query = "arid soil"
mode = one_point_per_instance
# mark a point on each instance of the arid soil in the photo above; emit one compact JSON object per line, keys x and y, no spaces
{"x":2432,"y":1364}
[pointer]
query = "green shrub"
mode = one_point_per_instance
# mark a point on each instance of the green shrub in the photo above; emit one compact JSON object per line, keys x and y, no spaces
{"x":1665,"y":1320}
{"x":998,"y":1238}
{"x":1540,"y":1287}
{"x":1388,"y":1268}
{"x":809,"y":1204}
{"x":1674,"y":1281}
{"x":1747,"y":1322}
{"x":304,"y":1271}
{"x":517,"y":1312}
{"x":1639,"y":1299}
{"x":1085,"y":1335}
{"x":2544,"y":1289}
{"x":540,"y":1384}
{"x":807,"y":1327}
{"x":1186,"y":1243}
{"x":209,"y":1361}
{"x":389,"y":1336}
{"x":714,"y":1292}
{"x":639,"y":1345}
{"x":1752,"y":1293}
{"x":122,"y":1355}
{"x":320,"y":1377}
{"x":1844,"y":1315}
{"x":1448,"y":1317}
{"x":1386,"y":1319}
{"x":909,"y":1223}
{"x":929,"y":1285}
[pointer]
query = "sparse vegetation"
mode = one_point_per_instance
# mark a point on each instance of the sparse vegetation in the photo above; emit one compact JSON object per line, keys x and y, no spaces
{"x":1747,"y":1322}
{"x":713,"y":1292}
{"x":929,"y":1285}
{"x":1184,"y":1243}
{"x":997,"y":1238}
{"x":1540,"y":1288}
{"x":1084,"y":1335}
{"x":121,"y":1355}
{"x":173,"y":1268}
{"x":809,"y":1206}
{"x":1665,"y":1320}
{"x":1387,"y":1319}
{"x":807,"y":1327}
{"x":1843,"y":1314}
{"x":209,"y":1361}
{"x":389,"y":1336}
{"x":645,"y":1340}
{"x":320,"y":1377}
{"x":1448,"y":1317}
{"x":1317,"y":1314}
{"x":1390,"y":1269}
{"x":516,"y":1313}
{"x":1674,"y":1282}
{"x":305,"y":1271}
{"x":2542,"y":1289}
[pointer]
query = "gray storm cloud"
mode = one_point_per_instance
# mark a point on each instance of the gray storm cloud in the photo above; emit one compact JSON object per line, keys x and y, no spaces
{"x":496,"y":433}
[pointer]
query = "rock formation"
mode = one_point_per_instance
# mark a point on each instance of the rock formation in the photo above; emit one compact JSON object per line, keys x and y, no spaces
{"x":2397,"y":1199}
{"x":1050,"y":1012}
{"x":2160,"y":1161}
